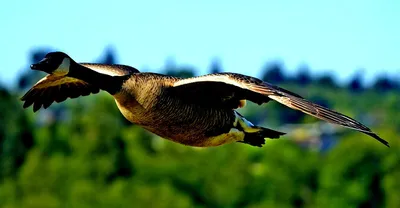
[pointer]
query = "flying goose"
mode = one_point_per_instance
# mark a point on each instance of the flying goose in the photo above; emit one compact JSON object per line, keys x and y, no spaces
{"x":198,"y":111}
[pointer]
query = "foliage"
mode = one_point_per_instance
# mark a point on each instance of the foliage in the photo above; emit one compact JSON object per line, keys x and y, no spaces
{"x":83,"y":153}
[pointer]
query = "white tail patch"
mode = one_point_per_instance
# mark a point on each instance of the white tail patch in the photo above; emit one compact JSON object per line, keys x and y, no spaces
{"x":246,"y":125}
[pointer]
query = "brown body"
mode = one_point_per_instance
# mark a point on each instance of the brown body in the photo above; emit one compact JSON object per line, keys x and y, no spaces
{"x":197,"y":111}
{"x":171,"y":118}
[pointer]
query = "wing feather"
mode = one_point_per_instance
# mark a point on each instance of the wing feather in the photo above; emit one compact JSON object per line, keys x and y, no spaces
{"x":58,"y":88}
{"x":251,"y":88}
{"x":55,"y":88}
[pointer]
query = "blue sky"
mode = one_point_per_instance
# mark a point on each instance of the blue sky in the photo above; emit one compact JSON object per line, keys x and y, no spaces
{"x":339,"y":36}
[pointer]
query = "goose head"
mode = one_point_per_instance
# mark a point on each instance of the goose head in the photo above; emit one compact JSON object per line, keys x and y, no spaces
{"x":56,"y":63}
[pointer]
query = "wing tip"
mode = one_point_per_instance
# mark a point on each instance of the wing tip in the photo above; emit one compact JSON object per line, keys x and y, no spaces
{"x":375,"y":136}
{"x":36,"y":108}
{"x":23,"y":98}
{"x":327,"y":115}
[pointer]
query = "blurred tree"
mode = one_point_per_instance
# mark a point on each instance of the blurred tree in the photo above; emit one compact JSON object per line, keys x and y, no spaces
{"x":288,"y":116}
{"x":356,"y":83}
{"x":172,"y":69}
{"x":15,"y":134}
{"x":390,"y":165}
{"x":321,"y":101}
{"x":326,"y":80}
{"x":303,"y":76}
{"x":109,"y":56}
{"x":183,"y":72}
{"x":216,"y":66}
{"x":383,"y":83}
{"x":396,"y":80}
{"x":90,"y":158}
{"x":273,"y":73}
{"x":351,"y":178}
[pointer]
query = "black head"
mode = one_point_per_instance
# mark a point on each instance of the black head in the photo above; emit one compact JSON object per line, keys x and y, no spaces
{"x":54,"y":63}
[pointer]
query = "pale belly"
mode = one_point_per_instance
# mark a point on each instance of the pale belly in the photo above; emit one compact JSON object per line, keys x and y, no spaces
{"x":189,"y":126}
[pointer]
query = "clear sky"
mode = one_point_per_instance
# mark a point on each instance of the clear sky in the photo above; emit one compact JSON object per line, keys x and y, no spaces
{"x":340,"y":35}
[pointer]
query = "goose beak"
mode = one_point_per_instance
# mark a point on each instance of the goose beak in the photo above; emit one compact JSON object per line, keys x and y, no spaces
{"x":40,"y":65}
{"x":34,"y":66}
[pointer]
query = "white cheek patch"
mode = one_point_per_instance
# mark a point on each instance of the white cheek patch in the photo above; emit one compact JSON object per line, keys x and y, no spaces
{"x":63,"y":69}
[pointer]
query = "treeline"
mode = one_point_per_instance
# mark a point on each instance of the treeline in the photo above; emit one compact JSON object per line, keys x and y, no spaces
{"x":272,"y":72}
{"x":83,"y":153}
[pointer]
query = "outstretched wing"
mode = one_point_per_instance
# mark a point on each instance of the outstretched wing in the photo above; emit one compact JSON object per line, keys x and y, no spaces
{"x":210,"y":87}
{"x":58,"y":88}
{"x":55,"y":88}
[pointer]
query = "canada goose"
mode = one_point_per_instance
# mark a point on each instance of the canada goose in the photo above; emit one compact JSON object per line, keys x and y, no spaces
{"x":197,"y":111}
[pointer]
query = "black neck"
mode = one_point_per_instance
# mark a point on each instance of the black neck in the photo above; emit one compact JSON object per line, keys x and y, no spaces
{"x":111,"y":84}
